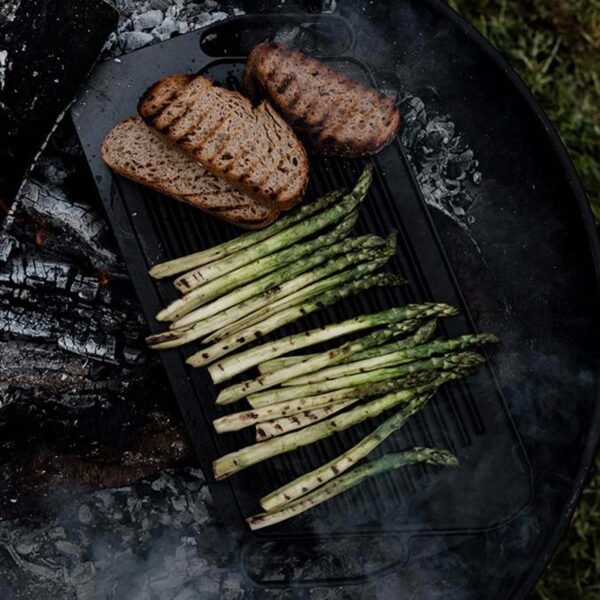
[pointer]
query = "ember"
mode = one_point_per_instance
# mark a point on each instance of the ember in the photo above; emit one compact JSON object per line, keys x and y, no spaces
{"x":4,"y":206}
{"x":42,"y":235}
{"x":103,"y":278}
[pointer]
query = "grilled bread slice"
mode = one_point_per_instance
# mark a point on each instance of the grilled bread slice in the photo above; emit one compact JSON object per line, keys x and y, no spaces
{"x":337,"y":116}
{"x":133,"y":150}
{"x":250,"y":147}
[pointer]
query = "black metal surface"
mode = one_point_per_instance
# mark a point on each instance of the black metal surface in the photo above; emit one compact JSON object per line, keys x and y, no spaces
{"x":532,"y":280}
{"x":42,"y":72}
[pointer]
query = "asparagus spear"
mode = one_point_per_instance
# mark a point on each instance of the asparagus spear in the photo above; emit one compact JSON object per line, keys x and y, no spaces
{"x":258,"y":293}
{"x":272,"y":366}
{"x":382,"y":359}
{"x":388,"y":462}
{"x":276,"y":427}
{"x":308,"y":292}
{"x":240,"y":459}
{"x":247,"y":418}
{"x":341,"y":253}
{"x":247,"y":273}
{"x":331,"y":357}
{"x":310,"y":481}
{"x":331,"y":215}
{"x":237,"y":421}
{"x":448,"y":362}
{"x":313,"y":370}
{"x":245,"y":360}
{"x":239,"y":339}
{"x":423,"y":334}
{"x":185,"y":263}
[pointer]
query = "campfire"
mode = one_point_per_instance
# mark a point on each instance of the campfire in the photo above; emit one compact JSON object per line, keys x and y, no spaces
{"x":100,"y":490}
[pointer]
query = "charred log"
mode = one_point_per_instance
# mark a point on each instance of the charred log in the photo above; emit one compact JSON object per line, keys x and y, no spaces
{"x":79,"y":393}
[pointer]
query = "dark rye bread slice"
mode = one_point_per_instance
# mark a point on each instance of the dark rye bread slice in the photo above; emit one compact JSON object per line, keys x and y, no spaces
{"x":251,"y":147}
{"x":337,"y":116}
{"x":135,"y":151}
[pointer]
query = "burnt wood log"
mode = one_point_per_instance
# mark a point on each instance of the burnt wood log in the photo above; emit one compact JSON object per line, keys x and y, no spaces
{"x":40,"y":72}
{"x":78,"y":391}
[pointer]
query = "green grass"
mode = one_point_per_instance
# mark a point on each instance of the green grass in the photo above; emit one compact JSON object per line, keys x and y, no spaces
{"x":555,"y":47}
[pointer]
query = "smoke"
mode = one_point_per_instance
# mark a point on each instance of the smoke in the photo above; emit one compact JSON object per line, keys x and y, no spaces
{"x":156,"y":539}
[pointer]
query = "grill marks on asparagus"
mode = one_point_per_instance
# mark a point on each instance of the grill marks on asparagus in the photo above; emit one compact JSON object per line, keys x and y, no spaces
{"x":237,"y":421}
{"x":264,"y":265}
{"x":332,"y":357}
{"x":405,"y":317}
{"x":244,"y":241}
{"x":372,"y":262}
{"x":320,"y":476}
{"x":300,"y":265}
{"x":349,"y":480}
{"x":285,"y":394}
{"x":275,"y":427}
{"x":283,"y":317}
{"x":287,"y":286}
{"x":284,"y":239}
{"x":234,"y":462}
{"x":384,"y":359}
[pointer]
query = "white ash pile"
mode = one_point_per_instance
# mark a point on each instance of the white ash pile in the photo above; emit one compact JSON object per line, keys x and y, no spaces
{"x":145,"y":22}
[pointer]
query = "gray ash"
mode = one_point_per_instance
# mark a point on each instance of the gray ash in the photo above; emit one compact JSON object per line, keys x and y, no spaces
{"x":444,"y":164}
{"x":156,"y":539}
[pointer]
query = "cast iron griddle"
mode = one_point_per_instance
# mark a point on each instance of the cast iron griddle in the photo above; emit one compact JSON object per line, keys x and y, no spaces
{"x":465,"y":421}
{"x":418,"y":512}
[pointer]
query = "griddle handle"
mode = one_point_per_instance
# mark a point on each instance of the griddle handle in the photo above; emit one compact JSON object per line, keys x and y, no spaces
{"x":307,"y":561}
{"x":325,"y":35}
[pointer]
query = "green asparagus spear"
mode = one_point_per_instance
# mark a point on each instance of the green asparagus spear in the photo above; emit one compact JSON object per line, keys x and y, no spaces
{"x":310,"y":291}
{"x":246,"y":274}
{"x":237,"y":340}
{"x":382,"y":359}
{"x":448,"y":362}
{"x":421,"y":336}
{"x":283,"y":425}
{"x":271,"y":366}
{"x":388,"y":462}
{"x":243,"y":361}
{"x":247,"y":418}
{"x":204,"y":274}
{"x":237,"y":421}
{"x":240,"y":459}
{"x":309,"y":481}
{"x":371,"y":261}
{"x":228,"y":309}
{"x":331,"y":357}
{"x":343,"y":354}
{"x":185,"y":263}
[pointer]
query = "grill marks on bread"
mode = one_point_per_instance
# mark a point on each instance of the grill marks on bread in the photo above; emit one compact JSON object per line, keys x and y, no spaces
{"x":337,"y":115}
{"x":251,"y":147}
{"x":135,"y":151}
